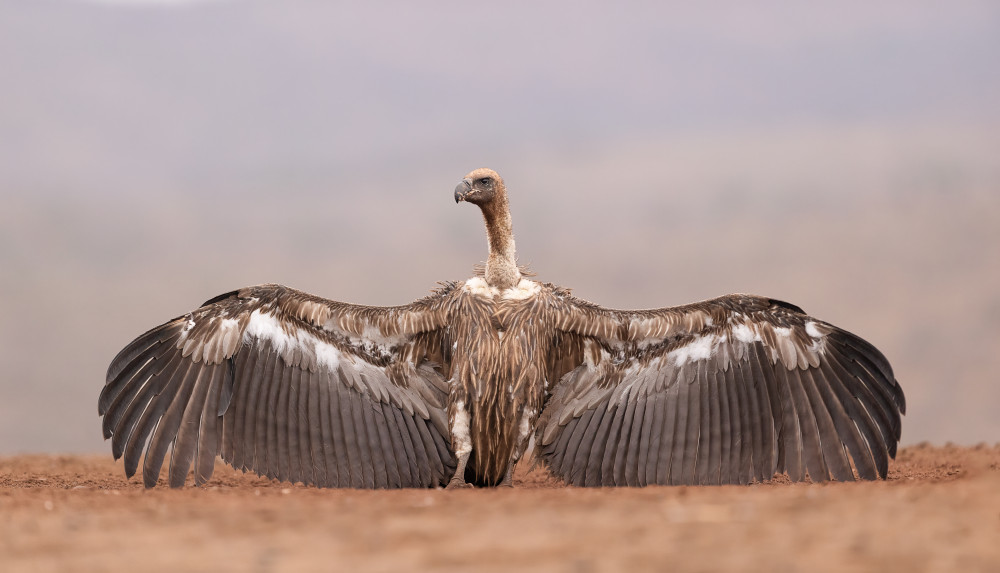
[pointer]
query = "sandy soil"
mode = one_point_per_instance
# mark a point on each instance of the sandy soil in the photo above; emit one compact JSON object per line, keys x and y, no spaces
{"x":938,"y":511}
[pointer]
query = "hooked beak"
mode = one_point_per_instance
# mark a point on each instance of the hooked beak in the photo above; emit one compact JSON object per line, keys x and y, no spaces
{"x":463,"y":190}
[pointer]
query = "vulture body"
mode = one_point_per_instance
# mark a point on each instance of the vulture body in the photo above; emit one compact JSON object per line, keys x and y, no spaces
{"x":452,"y":388}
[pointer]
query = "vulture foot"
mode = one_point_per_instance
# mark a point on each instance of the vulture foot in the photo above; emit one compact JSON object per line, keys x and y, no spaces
{"x":458,"y":483}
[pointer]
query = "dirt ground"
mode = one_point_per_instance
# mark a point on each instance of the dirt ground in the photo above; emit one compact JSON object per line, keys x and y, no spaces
{"x":938,"y":511}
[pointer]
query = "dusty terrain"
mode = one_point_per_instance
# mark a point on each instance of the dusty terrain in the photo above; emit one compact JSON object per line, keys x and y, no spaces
{"x":938,"y":511}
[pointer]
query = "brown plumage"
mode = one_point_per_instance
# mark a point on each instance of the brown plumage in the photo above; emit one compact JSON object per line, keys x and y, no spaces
{"x":453,"y":387}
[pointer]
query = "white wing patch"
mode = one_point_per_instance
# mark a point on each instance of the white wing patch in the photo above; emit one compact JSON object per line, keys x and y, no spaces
{"x":813,"y":331}
{"x":701,"y":348}
{"x":745,"y":333}
{"x":298,"y":348}
{"x":792,"y":354}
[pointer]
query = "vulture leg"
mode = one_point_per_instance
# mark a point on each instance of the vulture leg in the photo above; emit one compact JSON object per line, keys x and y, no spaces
{"x":523,"y":438}
{"x":462,"y":442}
{"x":507,"y":477}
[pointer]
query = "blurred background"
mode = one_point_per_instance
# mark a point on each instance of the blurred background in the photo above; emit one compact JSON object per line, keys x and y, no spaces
{"x":844,"y":157}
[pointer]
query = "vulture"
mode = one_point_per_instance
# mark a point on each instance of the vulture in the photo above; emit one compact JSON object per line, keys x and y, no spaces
{"x":454,"y":388}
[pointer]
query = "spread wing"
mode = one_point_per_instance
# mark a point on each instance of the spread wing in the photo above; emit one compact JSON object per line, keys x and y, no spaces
{"x":728,"y":390}
{"x":290,"y":386}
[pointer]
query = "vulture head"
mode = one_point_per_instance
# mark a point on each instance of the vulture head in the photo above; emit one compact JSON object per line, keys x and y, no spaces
{"x":484,"y":188}
{"x":480,"y":187}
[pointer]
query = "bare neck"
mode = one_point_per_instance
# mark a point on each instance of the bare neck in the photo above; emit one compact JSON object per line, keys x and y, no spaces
{"x":501,"y":267}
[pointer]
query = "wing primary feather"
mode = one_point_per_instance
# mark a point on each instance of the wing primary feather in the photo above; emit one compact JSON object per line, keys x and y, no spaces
{"x":348,"y":426}
{"x":259,"y":432}
{"x":300,"y":457}
{"x":121,"y":391}
{"x":721,"y":426}
{"x":830,"y":441}
{"x":692,"y":435}
{"x":208,"y":438}
{"x":704,"y":457}
{"x":406,"y":459}
{"x":420,"y":466}
{"x":628,"y":451}
{"x":443,"y":445}
{"x":633,"y":439}
{"x":227,"y":388}
{"x":863,"y":415}
{"x":386,"y":474}
{"x":606,"y":469}
{"x":679,"y":437}
{"x":317,"y":456}
{"x":327,"y":406}
{"x":557,"y":443}
{"x":137,"y":441}
{"x":226,"y":424}
{"x":166,"y":427}
{"x":307,"y":464}
{"x":866,"y":397}
{"x":847,"y":419}
{"x":185,"y":441}
{"x":133,"y":411}
{"x":416,"y":463}
{"x":741,"y":450}
{"x":727,"y":468}
{"x":150,"y":416}
{"x":396,"y":441}
{"x":869,"y":376}
{"x":791,"y":433}
{"x":362,"y":443}
{"x":560,"y":453}
{"x":812,"y":447}
{"x":576,"y":459}
{"x":341,"y":448}
{"x":866,"y":369}
{"x":131,"y":354}
{"x":756,"y":449}
{"x":621,"y":438}
{"x":365,"y":409}
{"x":874,"y":360}
{"x":581,"y":465}
{"x":281,"y":422}
{"x":656,"y":430}
{"x":713,"y":467}
{"x":768,"y":419}
{"x":598,"y":449}
{"x":234,"y":447}
{"x":435,"y":465}
{"x":275,"y":381}
{"x":288,"y":438}
{"x":670,"y":467}
{"x":647,"y":455}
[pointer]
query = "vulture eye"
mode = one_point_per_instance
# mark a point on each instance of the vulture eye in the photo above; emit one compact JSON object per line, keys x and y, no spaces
{"x":485,"y":180}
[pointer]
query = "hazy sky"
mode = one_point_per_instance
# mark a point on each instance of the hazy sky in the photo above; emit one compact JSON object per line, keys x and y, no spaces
{"x":107,"y":97}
